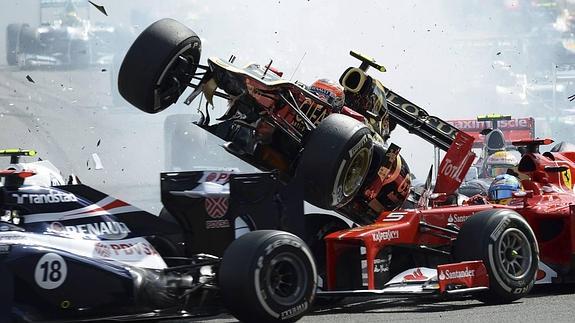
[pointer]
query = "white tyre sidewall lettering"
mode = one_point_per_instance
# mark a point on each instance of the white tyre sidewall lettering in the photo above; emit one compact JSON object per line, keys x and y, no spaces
{"x":261,"y":291}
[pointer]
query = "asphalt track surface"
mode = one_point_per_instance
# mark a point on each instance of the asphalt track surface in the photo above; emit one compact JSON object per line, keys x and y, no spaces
{"x":68,"y":115}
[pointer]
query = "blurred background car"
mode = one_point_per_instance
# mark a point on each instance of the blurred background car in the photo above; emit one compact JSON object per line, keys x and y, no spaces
{"x":65,"y":37}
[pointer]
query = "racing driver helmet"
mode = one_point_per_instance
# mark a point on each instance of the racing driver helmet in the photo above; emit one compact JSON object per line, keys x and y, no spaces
{"x":502,"y":188}
{"x":499,"y":163}
{"x":330,"y":92}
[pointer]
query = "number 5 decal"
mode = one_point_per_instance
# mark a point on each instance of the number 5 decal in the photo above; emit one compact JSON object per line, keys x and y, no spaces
{"x":51,"y":271}
{"x":394,"y":216}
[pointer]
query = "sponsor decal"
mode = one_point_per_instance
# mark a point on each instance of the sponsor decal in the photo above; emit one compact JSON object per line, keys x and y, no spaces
{"x":421,"y":116}
{"x":56,"y":227}
{"x":216,"y":177}
{"x":315,"y":112}
{"x":385,"y":235}
{"x":43,"y":198}
{"x":455,"y":164}
{"x":294,"y":311}
{"x":124,"y":250}
{"x":454,"y":172}
{"x":217,"y":224}
{"x":456,"y":274}
{"x":103,"y":250}
{"x":417,"y":275}
{"x":99,"y":229}
{"x":480,"y":125}
{"x":454,"y":218}
{"x":216,"y":207}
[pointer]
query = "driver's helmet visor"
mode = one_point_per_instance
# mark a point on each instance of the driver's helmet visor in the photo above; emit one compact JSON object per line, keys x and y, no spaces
{"x":501,"y":192}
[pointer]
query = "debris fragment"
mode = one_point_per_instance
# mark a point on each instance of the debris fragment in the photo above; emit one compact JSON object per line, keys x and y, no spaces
{"x":100,"y":8}
{"x":498,"y":53}
{"x":104,"y":70}
{"x":571,"y":97}
{"x":98,"y":144}
{"x":30,"y":79}
{"x":97,"y":161}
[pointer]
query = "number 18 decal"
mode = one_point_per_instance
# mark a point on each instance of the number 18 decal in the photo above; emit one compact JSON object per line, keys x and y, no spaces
{"x":51,"y":271}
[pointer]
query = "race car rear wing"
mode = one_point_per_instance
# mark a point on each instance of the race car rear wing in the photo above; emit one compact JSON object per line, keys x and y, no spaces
{"x":401,"y":111}
{"x":417,"y":121}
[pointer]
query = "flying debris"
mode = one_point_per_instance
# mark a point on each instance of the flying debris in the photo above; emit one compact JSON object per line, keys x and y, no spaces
{"x":571,"y":97}
{"x":30,"y":79}
{"x":97,"y":161}
{"x":100,"y":8}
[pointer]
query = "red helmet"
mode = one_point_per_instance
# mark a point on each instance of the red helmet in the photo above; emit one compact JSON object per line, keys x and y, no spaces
{"x":329,"y":92}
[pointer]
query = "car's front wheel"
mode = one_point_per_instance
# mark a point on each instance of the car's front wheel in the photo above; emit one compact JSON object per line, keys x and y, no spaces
{"x":159,"y":65}
{"x":268,"y":276}
{"x":505,"y":243}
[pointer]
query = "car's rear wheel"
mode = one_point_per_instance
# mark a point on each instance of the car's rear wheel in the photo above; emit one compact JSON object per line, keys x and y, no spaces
{"x":505,"y":243}
{"x":159,"y":65}
{"x":268,"y":276}
{"x":335,"y":161}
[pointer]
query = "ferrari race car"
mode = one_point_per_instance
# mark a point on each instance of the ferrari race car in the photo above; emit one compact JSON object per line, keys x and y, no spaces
{"x":336,"y":160}
{"x":545,"y":204}
{"x":65,"y":40}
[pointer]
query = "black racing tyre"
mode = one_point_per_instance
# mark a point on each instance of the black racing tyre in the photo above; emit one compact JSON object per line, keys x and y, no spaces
{"x":12,"y":35}
{"x":159,"y":65}
{"x":335,"y":161}
{"x":505,"y":243}
{"x":268,"y":276}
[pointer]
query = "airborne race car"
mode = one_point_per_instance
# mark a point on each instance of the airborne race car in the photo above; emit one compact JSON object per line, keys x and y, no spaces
{"x":64,"y":41}
{"x":343,"y":163}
